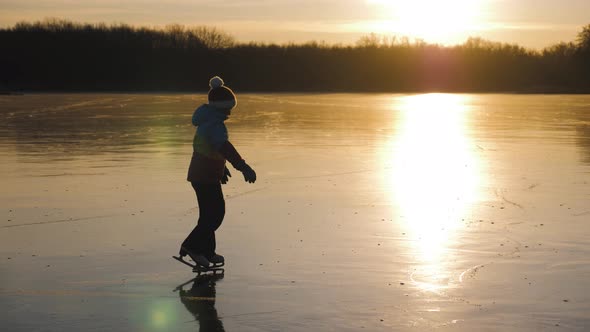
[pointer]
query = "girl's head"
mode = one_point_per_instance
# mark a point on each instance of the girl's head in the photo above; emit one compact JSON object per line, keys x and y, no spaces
{"x":220,"y":96}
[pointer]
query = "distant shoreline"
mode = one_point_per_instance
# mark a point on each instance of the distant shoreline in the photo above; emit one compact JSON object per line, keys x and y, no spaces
{"x":59,"y":55}
{"x":245,"y":91}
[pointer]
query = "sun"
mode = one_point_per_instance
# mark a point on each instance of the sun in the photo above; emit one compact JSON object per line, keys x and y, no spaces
{"x":437,"y":21}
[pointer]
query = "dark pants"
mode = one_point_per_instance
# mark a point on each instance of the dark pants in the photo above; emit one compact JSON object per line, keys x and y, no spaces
{"x":211,"y":212}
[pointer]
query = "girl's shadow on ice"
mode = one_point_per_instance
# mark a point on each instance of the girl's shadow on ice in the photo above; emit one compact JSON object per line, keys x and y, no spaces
{"x":199,"y":300}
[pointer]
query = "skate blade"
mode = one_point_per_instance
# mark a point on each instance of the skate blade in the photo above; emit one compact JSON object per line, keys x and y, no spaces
{"x":206,"y":270}
{"x":214,"y":265}
{"x":180,"y":259}
{"x":215,"y":268}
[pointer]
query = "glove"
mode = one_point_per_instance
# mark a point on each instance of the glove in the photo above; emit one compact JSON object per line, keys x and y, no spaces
{"x":226,"y":176}
{"x":248,"y":172}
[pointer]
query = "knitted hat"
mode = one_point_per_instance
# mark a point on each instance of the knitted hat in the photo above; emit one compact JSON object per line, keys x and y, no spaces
{"x":221,"y":96}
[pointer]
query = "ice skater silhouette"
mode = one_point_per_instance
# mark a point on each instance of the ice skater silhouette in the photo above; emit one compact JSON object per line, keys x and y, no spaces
{"x":207,"y":171}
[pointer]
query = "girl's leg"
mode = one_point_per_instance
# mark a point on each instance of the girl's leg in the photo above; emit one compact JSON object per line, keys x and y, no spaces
{"x":218,"y":213}
{"x":211,"y":212}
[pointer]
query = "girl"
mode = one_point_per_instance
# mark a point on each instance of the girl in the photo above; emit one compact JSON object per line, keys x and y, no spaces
{"x":207,"y":171}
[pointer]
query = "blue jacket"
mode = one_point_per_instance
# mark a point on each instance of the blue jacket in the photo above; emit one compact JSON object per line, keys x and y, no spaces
{"x":211,"y":131}
{"x":211,"y":146}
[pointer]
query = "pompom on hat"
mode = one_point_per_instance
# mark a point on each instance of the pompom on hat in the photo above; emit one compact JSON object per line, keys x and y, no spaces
{"x":221,"y":96}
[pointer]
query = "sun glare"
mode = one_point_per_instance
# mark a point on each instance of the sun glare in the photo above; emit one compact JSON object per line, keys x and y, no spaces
{"x":445,"y":22}
{"x":434,"y":179}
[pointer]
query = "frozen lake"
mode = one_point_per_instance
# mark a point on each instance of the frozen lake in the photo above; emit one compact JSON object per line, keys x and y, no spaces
{"x":376,"y":212}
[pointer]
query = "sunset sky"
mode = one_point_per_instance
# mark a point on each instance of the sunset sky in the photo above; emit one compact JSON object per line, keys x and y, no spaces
{"x":531,"y":23}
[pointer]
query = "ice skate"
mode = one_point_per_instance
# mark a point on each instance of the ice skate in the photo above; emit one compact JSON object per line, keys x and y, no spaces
{"x":216,"y":260}
{"x":200,"y":263}
{"x":199,"y":259}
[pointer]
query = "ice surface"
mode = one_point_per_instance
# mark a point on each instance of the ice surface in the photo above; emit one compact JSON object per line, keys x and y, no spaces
{"x":372,"y":212}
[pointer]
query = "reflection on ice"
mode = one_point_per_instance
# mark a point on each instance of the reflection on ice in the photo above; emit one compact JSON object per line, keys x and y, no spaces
{"x":94,"y":200}
{"x":434,"y":178}
{"x":199,"y":300}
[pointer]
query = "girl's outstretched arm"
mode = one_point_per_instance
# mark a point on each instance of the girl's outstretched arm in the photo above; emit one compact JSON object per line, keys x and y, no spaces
{"x":231,"y":154}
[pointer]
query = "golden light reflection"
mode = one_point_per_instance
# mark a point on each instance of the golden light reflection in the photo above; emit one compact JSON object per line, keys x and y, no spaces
{"x":433,"y":180}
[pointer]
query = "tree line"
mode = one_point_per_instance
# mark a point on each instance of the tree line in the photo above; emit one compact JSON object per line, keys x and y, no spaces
{"x":60,"y":55}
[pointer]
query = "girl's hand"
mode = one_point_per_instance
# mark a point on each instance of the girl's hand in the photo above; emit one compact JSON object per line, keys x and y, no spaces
{"x":249,"y":174}
{"x":226,"y":176}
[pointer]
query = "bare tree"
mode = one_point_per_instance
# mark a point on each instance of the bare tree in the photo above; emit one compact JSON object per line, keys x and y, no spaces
{"x":212,"y":37}
{"x":584,"y":38}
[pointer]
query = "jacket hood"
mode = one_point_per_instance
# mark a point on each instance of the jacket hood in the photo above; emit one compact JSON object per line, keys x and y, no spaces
{"x":206,"y":113}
